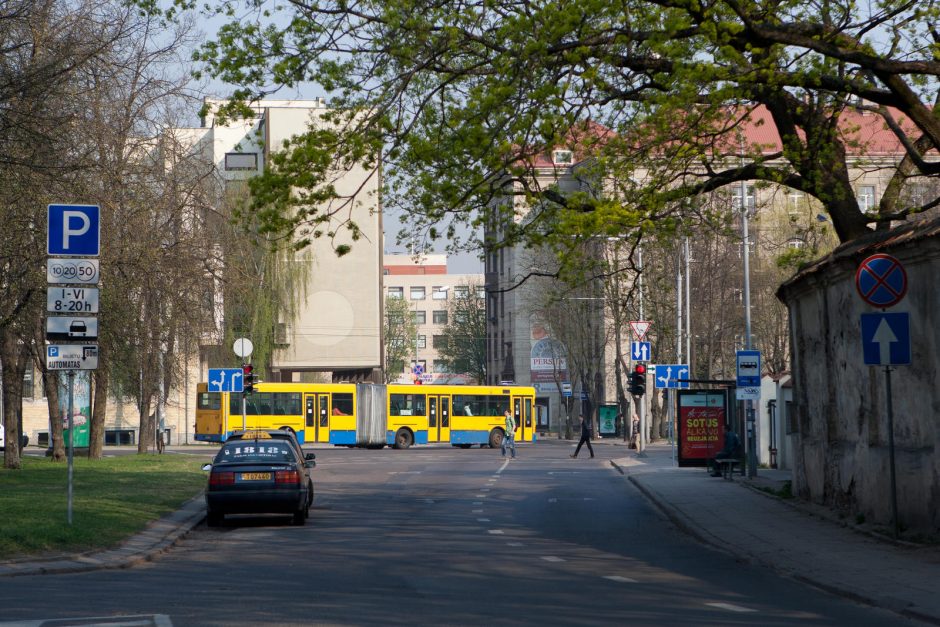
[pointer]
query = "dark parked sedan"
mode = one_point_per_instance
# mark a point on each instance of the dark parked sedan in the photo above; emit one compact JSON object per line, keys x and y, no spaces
{"x":259,"y":474}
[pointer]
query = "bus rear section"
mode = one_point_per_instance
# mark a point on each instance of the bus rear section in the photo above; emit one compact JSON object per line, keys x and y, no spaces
{"x":210,"y":418}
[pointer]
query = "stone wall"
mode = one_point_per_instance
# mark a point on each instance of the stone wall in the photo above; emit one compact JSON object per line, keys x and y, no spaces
{"x":842,"y":454}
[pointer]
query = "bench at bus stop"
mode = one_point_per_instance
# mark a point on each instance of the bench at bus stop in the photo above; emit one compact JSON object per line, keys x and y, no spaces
{"x":728,"y":465}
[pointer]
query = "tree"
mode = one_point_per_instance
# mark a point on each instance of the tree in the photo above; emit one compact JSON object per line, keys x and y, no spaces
{"x":401,"y":335}
{"x":456,"y":103}
{"x":464,"y":347}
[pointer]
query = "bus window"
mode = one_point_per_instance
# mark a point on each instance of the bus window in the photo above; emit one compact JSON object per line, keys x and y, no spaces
{"x":286,"y":403}
{"x":406,"y":405}
{"x":480,"y":405}
{"x":209,"y":400}
{"x":342,"y":404}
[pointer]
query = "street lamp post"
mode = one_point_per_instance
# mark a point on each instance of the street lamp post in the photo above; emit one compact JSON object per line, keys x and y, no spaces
{"x":749,"y":411}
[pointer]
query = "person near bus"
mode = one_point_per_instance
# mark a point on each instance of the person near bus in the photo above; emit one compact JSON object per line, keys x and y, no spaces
{"x":510,"y":437}
{"x":585,"y":437}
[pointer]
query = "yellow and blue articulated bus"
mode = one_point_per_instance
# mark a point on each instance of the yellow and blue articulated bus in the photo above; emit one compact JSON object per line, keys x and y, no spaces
{"x":370,"y":415}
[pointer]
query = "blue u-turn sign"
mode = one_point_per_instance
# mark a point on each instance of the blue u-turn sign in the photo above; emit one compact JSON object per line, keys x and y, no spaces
{"x":74,"y":230}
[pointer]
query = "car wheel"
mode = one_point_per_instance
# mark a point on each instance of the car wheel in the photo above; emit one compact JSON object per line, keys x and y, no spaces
{"x":214,"y":519}
{"x":496,"y":438}
{"x":403,"y":439}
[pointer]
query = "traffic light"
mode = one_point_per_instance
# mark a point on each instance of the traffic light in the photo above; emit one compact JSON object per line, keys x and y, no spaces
{"x":638,"y":380}
{"x":248,"y":377}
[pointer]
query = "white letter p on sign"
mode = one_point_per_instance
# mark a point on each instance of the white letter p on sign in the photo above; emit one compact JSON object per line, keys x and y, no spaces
{"x":67,"y":231}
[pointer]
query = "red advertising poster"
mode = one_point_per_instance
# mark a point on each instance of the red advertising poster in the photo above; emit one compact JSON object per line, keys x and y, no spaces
{"x":701,"y":426}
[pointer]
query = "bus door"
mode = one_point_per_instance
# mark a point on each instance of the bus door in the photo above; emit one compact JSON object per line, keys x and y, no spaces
{"x":317,"y":418}
{"x":438,"y":419}
{"x":522,"y":414}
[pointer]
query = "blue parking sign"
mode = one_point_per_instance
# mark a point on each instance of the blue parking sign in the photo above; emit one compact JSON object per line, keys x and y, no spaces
{"x":74,"y":230}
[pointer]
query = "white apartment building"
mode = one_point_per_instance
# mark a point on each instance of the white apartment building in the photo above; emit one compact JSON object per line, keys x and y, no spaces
{"x":428,"y":288}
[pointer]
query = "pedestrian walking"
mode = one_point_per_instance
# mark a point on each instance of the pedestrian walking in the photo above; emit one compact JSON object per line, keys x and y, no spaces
{"x":510,"y":437}
{"x":635,"y":432}
{"x":585,"y":437}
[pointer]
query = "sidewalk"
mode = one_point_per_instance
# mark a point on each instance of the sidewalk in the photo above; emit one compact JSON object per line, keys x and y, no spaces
{"x":156,"y":538}
{"x":788,"y":536}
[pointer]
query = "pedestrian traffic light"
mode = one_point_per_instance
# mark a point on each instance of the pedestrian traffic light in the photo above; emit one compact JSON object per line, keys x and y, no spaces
{"x":638,"y":380}
{"x":248,"y":378}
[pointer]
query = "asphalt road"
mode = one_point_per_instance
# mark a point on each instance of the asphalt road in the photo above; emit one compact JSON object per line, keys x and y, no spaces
{"x":441,"y":536}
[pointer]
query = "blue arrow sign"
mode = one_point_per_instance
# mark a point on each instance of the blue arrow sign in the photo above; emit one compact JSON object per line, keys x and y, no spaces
{"x":226,"y":380}
{"x":886,"y":338}
{"x":666,"y":375}
{"x":640,"y":351}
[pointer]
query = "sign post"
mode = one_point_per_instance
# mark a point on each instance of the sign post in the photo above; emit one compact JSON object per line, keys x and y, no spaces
{"x":881,"y":281}
{"x":73,"y":232}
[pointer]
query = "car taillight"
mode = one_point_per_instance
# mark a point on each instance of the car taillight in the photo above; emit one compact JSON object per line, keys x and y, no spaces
{"x":287,"y":476}
{"x":221,"y":478}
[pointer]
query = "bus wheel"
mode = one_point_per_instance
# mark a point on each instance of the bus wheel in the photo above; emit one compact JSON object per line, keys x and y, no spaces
{"x":403,"y":438}
{"x":496,"y":438}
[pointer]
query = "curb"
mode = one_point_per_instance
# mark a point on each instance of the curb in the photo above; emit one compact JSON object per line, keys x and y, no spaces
{"x":156,"y":538}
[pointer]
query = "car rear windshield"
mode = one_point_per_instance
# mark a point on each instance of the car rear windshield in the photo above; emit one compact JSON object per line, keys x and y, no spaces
{"x":256,"y":451}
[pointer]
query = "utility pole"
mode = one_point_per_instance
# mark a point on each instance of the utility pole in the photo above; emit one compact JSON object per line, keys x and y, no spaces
{"x":750,"y":420}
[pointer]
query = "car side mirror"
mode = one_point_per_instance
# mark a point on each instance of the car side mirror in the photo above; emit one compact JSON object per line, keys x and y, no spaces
{"x":310,"y":455}
{"x":310,"y":464}
{"x":207,"y":467}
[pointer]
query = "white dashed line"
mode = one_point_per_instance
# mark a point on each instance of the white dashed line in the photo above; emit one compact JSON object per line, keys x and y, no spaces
{"x":620,"y":579}
{"x":476,"y":511}
{"x":483,"y":520}
{"x":552,"y":500}
{"x":552,"y":558}
{"x":484,"y":489}
{"x":495,"y":532}
{"x":479,"y":496}
{"x":478,"y":502}
{"x":514,"y":544}
{"x":731,"y":607}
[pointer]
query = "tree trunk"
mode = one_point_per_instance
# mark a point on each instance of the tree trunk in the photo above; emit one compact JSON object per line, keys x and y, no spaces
{"x":50,"y":379}
{"x":13,"y":358}
{"x":145,"y":439}
{"x":96,"y":429}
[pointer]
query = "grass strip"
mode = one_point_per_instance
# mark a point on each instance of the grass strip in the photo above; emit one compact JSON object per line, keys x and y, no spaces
{"x":112,"y":498}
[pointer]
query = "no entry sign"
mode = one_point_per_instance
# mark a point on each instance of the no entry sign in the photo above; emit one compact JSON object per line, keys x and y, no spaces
{"x":881,"y":280}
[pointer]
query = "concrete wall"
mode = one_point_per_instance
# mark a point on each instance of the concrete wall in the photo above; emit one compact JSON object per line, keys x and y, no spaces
{"x":839,"y":404}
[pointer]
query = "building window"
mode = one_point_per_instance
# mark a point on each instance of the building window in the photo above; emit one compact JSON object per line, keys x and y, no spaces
{"x":416,"y":293}
{"x":866,"y":197}
{"x":420,"y":316}
{"x":439,"y":293}
{"x":481,"y":292}
{"x":736,"y":197}
{"x":439,"y":366}
{"x":422,"y":341}
{"x":439,"y":316}
{"x":460,"y":317}
{"x":241,"y":161}
{"x":562,"y":157}
{"x":438,"y":341}
{"x":461,"y":291}
{"x":796,"y":202}
{"x":28,"y":384}
{"x":396,"y":292}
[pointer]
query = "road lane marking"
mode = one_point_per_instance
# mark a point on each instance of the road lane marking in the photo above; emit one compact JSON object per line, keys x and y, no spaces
{"x":620,"y":579}
{"x":480,"y":496}
{"x":483,"y":520}
{"x":476,"y":511}
{"x":552,"y":500}
{"x":478,"y":502}
{"x":552,"y":558}
{"x":503,"y":467}
{"x":731,"y":607}
{"x":514,"y":544}
{"x":495,"y":532}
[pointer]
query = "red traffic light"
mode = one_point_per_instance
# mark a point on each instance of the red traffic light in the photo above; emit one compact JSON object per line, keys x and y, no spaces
{"x":639,"y":369}
{"x":247,"y":369}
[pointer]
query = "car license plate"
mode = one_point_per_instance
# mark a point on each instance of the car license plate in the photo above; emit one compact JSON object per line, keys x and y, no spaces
{"x":256,"y":476}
